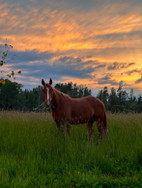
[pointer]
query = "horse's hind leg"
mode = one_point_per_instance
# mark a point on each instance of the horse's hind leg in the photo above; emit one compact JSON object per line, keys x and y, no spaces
{"x":100,"y":128}
{"x":90,"y":130}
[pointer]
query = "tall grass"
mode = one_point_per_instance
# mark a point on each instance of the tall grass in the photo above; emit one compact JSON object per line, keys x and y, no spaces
{"x":33,"y":153}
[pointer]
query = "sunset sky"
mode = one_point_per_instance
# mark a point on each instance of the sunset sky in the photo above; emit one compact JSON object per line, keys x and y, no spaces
{"x":92,"y":42}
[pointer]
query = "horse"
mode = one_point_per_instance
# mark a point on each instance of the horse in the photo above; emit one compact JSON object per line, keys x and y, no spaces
{"x":66,"y":110}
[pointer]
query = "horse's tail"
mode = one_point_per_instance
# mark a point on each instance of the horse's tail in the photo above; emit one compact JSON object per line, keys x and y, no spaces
{"x":105,"y":125}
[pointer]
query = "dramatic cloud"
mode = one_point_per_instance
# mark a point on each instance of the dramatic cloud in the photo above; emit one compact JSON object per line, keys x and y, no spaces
{"x":107,"y":80}
{"x":95,"y":42}
{"x":47,"y":28}
{"x":42,"y":65}
{"x":139,"y":71}
{"x":139,"y":80}
{"x":116,"y":66}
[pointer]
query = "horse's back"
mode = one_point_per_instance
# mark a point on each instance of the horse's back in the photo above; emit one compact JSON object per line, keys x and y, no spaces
{"x":88,"y":103}
{"x":95,"y":101}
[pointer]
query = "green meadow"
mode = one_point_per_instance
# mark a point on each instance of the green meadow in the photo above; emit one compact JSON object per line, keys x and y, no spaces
{"x":33,"y":153}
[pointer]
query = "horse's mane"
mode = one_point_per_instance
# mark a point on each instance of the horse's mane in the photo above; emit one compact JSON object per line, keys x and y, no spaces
{"x":61,"y":94}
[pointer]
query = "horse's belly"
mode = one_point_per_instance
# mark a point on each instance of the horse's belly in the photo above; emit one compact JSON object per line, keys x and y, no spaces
{"x":80,"y":118}
{"x":74,"y":121}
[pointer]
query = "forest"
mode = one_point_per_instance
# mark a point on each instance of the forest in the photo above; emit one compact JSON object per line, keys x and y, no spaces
{"x":13,"y":97}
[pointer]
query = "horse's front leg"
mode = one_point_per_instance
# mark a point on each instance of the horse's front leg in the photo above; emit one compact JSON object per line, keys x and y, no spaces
{"x":61,"y":124}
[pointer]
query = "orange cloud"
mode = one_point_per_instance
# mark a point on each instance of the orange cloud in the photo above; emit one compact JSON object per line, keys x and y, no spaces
{"x":68,"y":30}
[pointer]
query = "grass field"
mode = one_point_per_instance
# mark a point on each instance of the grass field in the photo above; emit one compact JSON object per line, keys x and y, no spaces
{"x":34,"y":154}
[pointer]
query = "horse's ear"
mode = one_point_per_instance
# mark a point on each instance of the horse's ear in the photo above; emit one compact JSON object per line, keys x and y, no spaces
{"x":43,"y":82}
{"x":50,"y":81}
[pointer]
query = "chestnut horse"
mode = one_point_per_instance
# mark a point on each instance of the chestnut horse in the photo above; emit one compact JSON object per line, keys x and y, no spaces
{"x":67,"y":110}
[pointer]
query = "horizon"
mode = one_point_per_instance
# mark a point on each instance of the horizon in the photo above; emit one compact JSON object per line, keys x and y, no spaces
{"x":93,"y":92}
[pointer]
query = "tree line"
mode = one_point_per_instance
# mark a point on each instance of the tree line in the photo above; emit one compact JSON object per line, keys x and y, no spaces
{"x":13,"y":97}
{"x":119,"y":100}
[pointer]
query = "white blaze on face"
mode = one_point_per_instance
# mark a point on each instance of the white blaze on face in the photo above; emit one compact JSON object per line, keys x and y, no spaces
{"x":48,"y":97}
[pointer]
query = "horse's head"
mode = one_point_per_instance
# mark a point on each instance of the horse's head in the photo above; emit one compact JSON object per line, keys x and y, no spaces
{"x":47,"y":92}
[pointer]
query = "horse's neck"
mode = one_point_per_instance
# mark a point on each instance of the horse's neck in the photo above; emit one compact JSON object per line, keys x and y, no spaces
{"x":57,"y":100}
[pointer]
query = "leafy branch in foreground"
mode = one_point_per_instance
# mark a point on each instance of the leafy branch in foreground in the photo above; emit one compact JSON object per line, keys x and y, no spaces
{"x":3,"y":61}
{"x":4,"y":54}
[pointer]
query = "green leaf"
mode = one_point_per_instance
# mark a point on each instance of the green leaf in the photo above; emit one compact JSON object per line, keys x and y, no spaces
{"x":19,"y":72}
{"x":8,"y":75}
{"x":12,"y":73}
{"x":5,"y":54}
{"x":10,"y":46}
{"x":1,"y":63}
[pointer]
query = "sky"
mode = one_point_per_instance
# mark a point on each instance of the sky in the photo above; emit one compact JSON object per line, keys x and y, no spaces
{"x":95,"y":43}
